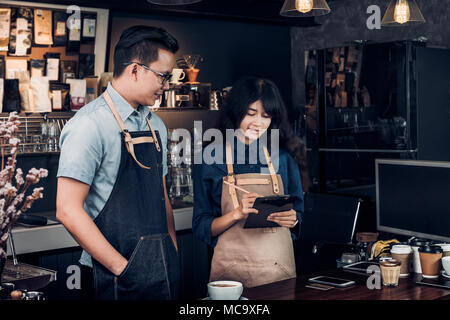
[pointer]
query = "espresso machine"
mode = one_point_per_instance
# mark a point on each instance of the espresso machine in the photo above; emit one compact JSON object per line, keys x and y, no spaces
{"x":187,"y":95}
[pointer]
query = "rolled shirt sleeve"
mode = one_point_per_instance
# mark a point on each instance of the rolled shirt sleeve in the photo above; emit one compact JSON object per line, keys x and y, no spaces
{"x":81,"y":150}
{"x":295,"y":188}
{"x":203,"y":209}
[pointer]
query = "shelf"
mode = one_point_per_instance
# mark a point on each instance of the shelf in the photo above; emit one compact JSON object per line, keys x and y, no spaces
{"x":39,"y":154}
{"x":367,"y":150}
{"x":180,"y":109}
{"x":359,"y":129}
{"x":55,"y":114}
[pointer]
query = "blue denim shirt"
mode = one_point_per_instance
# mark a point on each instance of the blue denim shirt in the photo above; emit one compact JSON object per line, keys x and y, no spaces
{"x":208,"y":187}
{"x":91,"y":145}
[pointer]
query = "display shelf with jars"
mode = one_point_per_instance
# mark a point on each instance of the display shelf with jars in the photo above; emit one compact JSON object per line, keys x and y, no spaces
{"x":38,"y":133}
{"x":359,"y":107}
{"x":51,"y":56}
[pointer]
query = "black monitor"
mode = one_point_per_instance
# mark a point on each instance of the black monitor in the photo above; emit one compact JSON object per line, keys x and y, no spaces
{"x":413,"y":198}
{"x":329,"y":218}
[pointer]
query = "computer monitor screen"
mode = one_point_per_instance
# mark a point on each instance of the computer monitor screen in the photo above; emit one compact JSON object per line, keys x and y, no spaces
{"x":413,"y":198}
{"x":329,"y":218}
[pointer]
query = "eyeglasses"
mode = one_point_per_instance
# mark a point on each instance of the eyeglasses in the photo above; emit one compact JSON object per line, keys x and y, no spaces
{"x":164,"y":76}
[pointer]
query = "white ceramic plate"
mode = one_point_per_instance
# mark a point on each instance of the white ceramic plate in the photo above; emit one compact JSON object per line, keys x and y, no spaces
{"x":445,"y":274}
{"x":241,"y":298}
{"x":430,"y":277}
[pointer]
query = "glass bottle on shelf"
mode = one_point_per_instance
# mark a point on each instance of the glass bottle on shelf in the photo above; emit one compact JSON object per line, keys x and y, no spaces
{"x":53,"y":134}
{"x":44,"y":134}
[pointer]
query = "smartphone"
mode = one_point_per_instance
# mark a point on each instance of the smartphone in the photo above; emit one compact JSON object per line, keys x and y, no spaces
{"x":361,"y":266}
{"x":331,"y":281}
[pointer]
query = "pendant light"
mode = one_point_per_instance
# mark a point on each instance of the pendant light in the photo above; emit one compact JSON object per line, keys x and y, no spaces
{"x":401,"y":13}
{"x":173,"y":2}
{"x":304,"y":8}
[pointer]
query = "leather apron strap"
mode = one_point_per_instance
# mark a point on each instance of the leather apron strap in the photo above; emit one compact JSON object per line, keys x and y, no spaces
{"x":231,"y":178}
{"x":129,"y":141}
{"x":273,"y":174}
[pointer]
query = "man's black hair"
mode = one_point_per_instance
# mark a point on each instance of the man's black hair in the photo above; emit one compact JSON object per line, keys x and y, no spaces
{"x":141,"y":43}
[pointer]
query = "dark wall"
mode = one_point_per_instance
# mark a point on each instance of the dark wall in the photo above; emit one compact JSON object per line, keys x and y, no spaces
{"x":46,"y":161}
{"x":347,"y":22}
{"x":433,"y":104}
{"x":230,"y":49}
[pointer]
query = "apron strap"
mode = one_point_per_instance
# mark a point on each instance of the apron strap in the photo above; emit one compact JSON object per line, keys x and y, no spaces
{"x":153,"y":135}
{"x":273,"y":174}
{"x":129,"y":141}
{"x":231,"y":179}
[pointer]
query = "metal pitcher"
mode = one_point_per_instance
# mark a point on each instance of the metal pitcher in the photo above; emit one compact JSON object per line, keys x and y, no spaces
{"x":170,"y":98}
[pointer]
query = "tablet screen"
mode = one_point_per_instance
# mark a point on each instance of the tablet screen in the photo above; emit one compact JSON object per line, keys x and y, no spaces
{"x":266,"y":206}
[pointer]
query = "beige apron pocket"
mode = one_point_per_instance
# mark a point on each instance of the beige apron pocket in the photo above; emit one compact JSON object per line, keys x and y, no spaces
{"x":283,"y":269}
{"x":236,"y":271}
{"x":253,"y":274}
{"x":220,"y":272}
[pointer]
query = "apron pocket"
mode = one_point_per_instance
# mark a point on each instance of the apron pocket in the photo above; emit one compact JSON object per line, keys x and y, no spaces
{"x":173,"y":267}
{"x":253,"y":274}
{"x":146,"y":275}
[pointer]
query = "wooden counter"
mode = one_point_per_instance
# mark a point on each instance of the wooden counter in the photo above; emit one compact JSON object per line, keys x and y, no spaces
{"x":294,"y":289}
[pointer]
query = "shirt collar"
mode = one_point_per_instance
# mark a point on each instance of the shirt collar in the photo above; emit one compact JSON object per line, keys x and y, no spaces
{"x":123,"y":107}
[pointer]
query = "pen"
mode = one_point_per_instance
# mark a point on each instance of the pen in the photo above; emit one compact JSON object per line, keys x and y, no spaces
{"x":239,"y":188}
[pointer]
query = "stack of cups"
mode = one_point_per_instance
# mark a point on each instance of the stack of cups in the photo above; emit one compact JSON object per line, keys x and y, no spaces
{"x":445,"y":248}
{"x":415,"y":245}
{"x":403,"y":254}
{"x":430,"y":260}
{"x":446,"y":253}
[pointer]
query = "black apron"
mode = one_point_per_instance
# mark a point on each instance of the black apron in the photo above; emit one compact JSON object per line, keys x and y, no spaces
{"x":133,"y":220}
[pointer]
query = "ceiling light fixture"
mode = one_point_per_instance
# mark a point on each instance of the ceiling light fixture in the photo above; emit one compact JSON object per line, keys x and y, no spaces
{"x":304,"y":8}
{"x":401,"y":13}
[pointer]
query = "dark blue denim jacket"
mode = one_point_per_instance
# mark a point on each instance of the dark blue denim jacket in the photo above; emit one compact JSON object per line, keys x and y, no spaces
{"x":208,"y":189}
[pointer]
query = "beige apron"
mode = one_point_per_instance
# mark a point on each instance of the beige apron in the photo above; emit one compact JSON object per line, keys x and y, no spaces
{"x":252,"y":256}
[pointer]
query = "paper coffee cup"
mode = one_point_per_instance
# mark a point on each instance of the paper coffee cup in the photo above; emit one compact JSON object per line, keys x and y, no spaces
{"x":445,"y":248}
{"x":402,"y":253}
{"x":430,"y":261}
{"x":415,"y":261}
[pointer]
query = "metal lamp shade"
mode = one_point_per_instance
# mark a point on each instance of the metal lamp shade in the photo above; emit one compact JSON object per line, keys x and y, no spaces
{"x":318,"y":8}
{"x":172,"y":2}
{"x":407,"y":11}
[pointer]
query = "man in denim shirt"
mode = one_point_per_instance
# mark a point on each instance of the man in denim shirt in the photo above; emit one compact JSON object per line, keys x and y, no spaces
{"x":109,"y":198}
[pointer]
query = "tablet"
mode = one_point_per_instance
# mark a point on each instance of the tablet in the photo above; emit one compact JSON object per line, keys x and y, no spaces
{"x":335,"y":282}
{"x":440,"y":282}
{"x":266,"y":206}
{"x":361,"y":266}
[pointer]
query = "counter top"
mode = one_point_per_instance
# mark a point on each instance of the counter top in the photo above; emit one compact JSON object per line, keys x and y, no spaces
{"x":54,"y":235}
{"x":295,"y":289}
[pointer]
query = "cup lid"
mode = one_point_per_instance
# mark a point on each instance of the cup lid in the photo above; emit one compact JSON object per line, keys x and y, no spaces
{"x":444,"y":246}
{"x":401,"y":249}
{"x":430,"y":249}
{"x":390,"y":263}
{"x":419,"y":243}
